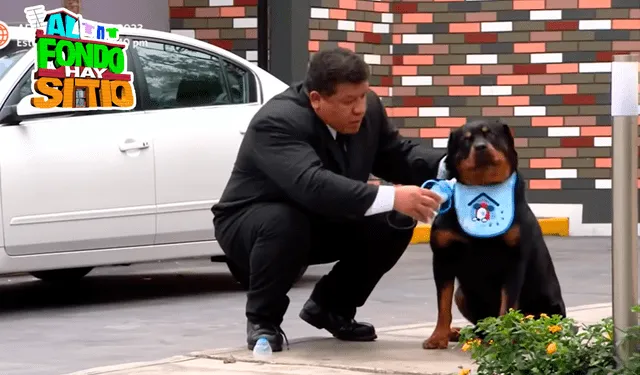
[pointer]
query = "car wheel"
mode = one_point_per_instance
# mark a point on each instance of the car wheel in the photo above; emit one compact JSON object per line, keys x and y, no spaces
{"x":62,"y":276}
{"x":243,"y":279}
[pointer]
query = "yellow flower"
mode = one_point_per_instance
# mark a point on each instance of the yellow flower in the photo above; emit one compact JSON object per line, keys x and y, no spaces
{"x":466,"y":347}
{"x":555,"y":328}
{"x":552,"y":348}
{"x":478,"y":341}
{"x":465,"y":371}
{"x":608,"y":336}
{"x":529,"y":317}
{"x":490,"y":342}
{"x":543,"y":315}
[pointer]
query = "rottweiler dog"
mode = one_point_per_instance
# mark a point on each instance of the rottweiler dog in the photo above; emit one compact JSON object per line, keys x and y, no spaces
{"x":512,"y":269}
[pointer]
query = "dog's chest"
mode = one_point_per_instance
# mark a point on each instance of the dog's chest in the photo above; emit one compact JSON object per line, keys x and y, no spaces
{"x":487,"y":255}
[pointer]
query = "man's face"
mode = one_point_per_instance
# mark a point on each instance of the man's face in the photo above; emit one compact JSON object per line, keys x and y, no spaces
{"x":343,"y":110}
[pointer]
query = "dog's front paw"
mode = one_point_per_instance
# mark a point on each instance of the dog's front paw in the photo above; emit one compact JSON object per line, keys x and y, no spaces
{"x":438,"y":340}
{"x":454,"y":334}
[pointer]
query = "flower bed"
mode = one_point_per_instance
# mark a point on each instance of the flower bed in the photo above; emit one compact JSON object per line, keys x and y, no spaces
{"x":515,"y":344}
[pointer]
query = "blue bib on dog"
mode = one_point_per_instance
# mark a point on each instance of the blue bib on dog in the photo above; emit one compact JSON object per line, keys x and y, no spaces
{"x":485,"y":211}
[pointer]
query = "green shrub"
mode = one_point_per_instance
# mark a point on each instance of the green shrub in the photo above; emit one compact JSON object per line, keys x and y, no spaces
{"x":515,"y":344}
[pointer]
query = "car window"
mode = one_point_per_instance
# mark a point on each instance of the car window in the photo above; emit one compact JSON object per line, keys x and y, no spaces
{"x":179,"y":77}
{"x":238,"y":79}
{"x":9,"y":55}
{"x":22,"y":90}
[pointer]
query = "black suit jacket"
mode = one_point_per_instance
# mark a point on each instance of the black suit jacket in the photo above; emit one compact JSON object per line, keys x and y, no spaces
{"x":289,"y":155}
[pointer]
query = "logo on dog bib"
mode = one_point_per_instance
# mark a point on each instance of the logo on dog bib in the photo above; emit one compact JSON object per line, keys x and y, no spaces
{"x":485,"y":211}
{"x":483,"y":208}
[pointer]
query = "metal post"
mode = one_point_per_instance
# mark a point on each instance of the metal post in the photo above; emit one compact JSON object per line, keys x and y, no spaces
{"x":263,"y":34}
{"x":624,"y":110}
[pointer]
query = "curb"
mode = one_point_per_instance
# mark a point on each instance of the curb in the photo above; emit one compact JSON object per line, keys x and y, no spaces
{"x":221,"y":353}
{"x":404,"y":327}
{"x":551,"y":226}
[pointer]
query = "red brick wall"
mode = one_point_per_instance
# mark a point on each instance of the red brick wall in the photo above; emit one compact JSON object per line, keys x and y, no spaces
{"x":230,"y":24}
{"x":541,"y":66}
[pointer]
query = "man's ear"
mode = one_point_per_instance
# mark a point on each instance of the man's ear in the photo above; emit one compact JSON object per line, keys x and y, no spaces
{"x":452,"y":151}
{"x":315,"y":99}
{"x":511,"y":146}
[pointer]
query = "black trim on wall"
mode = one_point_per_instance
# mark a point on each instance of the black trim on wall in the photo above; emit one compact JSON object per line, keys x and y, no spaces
{"x":263,"y":34}
{"x":289,"y":26}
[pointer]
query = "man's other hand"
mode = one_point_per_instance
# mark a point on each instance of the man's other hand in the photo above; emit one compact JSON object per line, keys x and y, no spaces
{"x":416,"y":202}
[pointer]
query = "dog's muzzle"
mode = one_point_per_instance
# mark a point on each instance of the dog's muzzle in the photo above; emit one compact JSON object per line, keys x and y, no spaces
{"x":481,"y":154}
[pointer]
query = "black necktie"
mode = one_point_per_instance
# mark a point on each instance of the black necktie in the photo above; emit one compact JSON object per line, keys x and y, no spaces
{"x":342,"y":141}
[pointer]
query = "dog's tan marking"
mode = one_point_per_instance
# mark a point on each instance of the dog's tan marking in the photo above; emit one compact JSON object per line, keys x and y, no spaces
{"x":454,"y":334}
{"x":512,"y":237}
{"x":503,"y":302}
{"x":442,"y":332}
{"x":498,"y":171}
{"x":446,"y":237}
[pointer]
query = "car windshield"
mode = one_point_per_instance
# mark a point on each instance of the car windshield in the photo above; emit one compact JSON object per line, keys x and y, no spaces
{"x":10,"y":55}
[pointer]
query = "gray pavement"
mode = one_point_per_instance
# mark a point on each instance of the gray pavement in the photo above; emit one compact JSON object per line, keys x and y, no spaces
{"x":396,"y":351}
{"x":146,"y":312}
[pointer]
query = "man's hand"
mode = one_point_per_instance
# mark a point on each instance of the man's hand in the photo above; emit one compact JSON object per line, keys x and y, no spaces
{"x":416,"y":202}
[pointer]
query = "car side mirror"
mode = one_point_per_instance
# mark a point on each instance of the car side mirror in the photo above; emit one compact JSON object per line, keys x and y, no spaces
{"x":15,"y":114}
{"x":9,"y":115}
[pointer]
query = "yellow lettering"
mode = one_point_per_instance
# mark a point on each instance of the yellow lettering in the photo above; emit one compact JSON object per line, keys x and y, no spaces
{"x":58,"y":92}
{"x":105,"y":93}
{"x":69,"y":91}
{"x":123,"y":97}
{"x":49,"y":87}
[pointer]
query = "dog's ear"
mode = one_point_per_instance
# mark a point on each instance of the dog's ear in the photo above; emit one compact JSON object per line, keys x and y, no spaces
{"x":453,"y":145}
{"x":512,"y":154}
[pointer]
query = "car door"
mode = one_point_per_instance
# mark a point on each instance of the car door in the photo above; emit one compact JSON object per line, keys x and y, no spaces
{"x":199,"y":120}
{"x":72,"y":183}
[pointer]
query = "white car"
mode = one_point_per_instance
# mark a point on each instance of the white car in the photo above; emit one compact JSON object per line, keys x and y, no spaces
{"x":81,"y":190}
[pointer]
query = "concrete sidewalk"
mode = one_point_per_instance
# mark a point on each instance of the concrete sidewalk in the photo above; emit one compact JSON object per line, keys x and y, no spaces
{"x":398,"y":350}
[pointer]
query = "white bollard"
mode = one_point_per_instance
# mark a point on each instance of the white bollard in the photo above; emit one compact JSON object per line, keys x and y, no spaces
{"x":624,"y":111}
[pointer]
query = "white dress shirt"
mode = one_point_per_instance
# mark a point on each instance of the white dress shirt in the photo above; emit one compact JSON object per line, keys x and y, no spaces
{"x":384,"y":199}
{"x":386,"y":194}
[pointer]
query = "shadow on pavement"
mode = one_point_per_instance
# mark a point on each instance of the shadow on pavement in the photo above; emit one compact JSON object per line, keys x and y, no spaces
{"x":25,"y":293}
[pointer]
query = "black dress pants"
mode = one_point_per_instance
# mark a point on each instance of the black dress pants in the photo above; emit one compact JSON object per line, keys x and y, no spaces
{"x":272,"y":242}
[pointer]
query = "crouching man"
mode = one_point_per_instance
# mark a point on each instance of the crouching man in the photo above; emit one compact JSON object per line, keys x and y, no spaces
{"x":298,"y":195}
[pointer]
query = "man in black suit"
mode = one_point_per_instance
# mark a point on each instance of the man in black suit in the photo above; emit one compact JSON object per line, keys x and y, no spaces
{"x":298,"y":195}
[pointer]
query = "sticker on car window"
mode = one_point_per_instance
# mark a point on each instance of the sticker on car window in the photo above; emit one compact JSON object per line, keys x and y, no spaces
{"x":80,"y":64}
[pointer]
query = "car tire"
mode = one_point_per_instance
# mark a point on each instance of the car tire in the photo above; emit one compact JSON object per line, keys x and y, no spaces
{"x":63,"y":275}
{"x":243,"y":279}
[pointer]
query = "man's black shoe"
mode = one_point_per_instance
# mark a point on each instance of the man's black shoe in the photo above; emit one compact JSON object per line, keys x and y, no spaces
{"x":272,"y":333}
{"x":340,"y":327}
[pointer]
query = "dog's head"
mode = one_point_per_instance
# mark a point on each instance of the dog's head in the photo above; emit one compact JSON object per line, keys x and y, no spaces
{"x":481,"y":152}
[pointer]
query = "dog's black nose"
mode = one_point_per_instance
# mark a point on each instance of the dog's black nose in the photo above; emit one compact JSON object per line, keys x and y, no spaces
{"x":480,"y":146}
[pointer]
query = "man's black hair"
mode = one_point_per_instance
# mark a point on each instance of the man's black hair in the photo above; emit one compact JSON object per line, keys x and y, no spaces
{"x":329,"y":68}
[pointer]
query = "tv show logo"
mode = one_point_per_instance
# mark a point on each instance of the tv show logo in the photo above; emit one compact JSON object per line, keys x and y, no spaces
{"x":80,"y":64}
